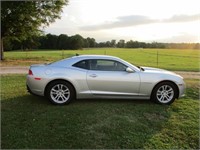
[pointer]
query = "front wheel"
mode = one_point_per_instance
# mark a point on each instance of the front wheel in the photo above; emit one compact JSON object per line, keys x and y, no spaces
{"x":60,"y":92}
{"x":164,"y":93}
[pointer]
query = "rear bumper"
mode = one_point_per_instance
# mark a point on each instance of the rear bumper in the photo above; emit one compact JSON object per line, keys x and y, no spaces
{"x":35,"y":86}
{"x":28,"y":89}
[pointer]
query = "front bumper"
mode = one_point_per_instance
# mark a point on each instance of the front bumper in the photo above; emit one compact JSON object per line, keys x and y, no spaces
{"x":182,"y":88}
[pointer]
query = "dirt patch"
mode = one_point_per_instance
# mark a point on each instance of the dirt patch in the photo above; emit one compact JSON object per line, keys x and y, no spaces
{"x":14,"y":70}
{"x":188,"y":75}
{"x":29,"y":62}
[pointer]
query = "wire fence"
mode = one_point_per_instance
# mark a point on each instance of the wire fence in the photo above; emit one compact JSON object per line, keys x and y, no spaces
{"x":161,"y":58}
{"x":157,"y":53}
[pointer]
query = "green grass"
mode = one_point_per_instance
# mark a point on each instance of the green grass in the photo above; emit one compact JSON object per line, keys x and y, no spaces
{"x":31,"y":122}
{"x":171,"y":59}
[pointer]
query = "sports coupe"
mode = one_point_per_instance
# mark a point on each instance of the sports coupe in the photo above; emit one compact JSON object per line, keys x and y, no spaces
{"x":100,"y":76}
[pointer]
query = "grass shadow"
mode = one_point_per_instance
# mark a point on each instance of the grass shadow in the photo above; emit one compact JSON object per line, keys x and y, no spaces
{"x":33,"y":122}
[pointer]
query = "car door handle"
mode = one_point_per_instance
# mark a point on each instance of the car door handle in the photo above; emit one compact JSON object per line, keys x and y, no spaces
{"x":93,"y":75}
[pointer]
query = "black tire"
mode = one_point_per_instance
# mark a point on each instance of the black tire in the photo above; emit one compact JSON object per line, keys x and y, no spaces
{"x":60,"y":92}
{"x":164,"y":93}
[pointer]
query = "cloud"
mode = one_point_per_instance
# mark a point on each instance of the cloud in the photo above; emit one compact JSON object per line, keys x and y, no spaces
{"x":123,"y":21}
{"x":183,"y":18}
{"x":135,"y":20}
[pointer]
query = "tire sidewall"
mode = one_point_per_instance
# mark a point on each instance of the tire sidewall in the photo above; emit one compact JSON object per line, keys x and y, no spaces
{"x":69,"y":86}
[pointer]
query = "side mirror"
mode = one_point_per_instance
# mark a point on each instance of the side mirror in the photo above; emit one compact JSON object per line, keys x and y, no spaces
{"x":129,"y":70}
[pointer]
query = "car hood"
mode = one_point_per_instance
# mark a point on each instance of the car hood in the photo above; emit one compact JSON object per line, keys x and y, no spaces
{"x":158,"y":70}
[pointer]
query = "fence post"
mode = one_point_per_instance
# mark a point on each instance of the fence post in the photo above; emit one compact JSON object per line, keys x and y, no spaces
{"x":157,"y":58}
{"x":62,"y":54}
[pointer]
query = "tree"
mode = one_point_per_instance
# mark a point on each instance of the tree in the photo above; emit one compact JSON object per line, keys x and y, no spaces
{"x":108,"y":44}
{"x":196,"y":46}
{"x":76,"y":42}
{"x":121,"y":44}
{"x":91,"y":42}
{"x":101,"y":44}
{"x":30,"y":43}
{"x":22,"y":19}
{"x":129,"y":44}
{"x":43,"y":42}
{"x":51,"y":41}
{"x":113,"y":43}
{"x":63,"y":41}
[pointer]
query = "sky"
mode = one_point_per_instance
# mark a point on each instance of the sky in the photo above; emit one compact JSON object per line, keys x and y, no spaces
{"x":138,"y":20}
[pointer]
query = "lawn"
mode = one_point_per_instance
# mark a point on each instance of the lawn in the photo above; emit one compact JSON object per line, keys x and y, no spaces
{"x":31,"y":122}
{"x":171,"y":59}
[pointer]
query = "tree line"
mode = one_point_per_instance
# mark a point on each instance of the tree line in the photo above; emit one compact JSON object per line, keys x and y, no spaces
{"x":63,"y":41}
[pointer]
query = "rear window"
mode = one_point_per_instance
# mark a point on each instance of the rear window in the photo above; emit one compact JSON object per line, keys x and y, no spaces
{"x":82,"y":64}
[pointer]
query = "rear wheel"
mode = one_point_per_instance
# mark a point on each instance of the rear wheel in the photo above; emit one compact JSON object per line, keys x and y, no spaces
{"x":164,"y":93}
{"x":60,"y":92}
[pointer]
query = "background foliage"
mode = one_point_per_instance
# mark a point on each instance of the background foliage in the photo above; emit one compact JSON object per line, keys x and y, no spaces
{"x":63,"y":41}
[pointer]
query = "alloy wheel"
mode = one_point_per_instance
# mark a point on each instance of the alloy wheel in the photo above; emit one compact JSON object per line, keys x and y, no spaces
{"x":60,"y":93}
{"x":165,"y":94}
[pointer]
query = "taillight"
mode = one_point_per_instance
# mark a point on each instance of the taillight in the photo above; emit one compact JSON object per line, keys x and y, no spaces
{"x":30,"y":72}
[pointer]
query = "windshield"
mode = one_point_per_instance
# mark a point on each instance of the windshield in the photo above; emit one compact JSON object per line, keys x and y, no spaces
{"x":129,"y":64}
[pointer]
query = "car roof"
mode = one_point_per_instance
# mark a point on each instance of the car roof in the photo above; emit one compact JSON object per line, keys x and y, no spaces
{"x":95,"y":57}
{"x":74,"y":59}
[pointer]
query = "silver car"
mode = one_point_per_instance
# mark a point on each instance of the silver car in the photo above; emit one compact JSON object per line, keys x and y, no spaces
{"x":99,"y":76}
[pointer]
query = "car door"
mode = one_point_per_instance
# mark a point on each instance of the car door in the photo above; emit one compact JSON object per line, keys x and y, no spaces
{"x":109,"y":77}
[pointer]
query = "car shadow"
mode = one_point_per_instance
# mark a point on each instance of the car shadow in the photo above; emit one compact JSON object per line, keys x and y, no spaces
{"x":133,"y":101}
{"x":34,"y":99}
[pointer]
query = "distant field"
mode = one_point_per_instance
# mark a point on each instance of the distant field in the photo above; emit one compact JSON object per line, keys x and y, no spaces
{"x":171,"y":59}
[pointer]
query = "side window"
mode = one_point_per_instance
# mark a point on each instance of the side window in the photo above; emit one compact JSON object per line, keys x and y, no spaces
{"x":82,"y":64}
{"x":120,"y":67}
{"x":106,"y":65}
